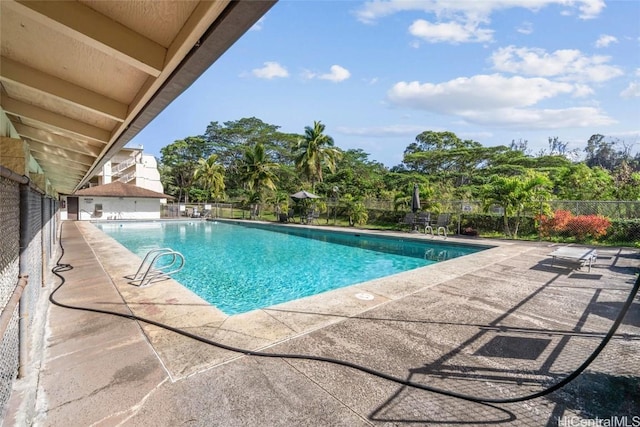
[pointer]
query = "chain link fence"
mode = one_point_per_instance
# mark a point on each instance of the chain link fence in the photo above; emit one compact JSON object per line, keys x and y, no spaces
{"x":202,"y":210}
{"x":9,"y":271}
{"x":28,"y":224}
{"x":595,"y":222}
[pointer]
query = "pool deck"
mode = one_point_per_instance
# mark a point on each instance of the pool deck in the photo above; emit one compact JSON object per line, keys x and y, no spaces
{"x":499,"y":323}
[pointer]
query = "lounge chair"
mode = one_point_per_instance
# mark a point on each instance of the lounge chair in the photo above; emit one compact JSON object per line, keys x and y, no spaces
{"x":441,"y":224}
{"x":422,"y":220}
{"x":578,"y":257}
{"x":409,"y":219}
{"x":291,"y":215}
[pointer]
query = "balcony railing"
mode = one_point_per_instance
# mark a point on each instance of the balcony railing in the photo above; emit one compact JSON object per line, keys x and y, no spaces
{"x":117,"y":169}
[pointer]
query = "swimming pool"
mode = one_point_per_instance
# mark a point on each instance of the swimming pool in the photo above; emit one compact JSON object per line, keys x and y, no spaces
{"x":239,"y":268}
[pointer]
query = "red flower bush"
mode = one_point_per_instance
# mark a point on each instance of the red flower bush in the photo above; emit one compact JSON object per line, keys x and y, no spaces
{"x":583,"y":226}
{"x":580,"y":226}
{"x":556,"y":223}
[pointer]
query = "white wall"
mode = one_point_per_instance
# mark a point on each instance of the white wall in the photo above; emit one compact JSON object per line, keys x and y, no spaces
{"x":118,"y":208}
{"x":147,"y":174}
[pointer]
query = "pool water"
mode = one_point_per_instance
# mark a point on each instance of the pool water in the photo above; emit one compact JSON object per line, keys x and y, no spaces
{"x":242,"y":268}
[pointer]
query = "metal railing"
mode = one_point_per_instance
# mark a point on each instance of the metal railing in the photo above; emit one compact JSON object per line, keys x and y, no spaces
{"x":115,"y":170}
{"x":157,"y":265}
{"x":28,"y":223}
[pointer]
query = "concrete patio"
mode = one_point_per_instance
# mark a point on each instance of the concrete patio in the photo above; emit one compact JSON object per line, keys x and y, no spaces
{"x":496,"y":324}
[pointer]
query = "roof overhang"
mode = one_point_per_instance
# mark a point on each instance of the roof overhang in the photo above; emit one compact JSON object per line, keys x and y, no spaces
{"x":79,"y":79}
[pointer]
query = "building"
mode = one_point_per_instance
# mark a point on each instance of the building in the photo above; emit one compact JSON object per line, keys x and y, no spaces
{"x":115,"y":200}
{"x":131,"y":166}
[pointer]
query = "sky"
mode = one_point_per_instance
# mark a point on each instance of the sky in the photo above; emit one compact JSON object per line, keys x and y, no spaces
{"x":378,"y":73}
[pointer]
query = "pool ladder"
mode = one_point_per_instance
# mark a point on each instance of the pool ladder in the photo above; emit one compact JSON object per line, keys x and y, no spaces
{"x":149,"y":270}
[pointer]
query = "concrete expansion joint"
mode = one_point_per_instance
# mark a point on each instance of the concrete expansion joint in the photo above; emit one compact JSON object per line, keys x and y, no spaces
{"x":133,"y":410}
{"x":329,"y":393}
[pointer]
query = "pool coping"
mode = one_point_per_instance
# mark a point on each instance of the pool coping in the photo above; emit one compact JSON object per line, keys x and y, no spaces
{"x":171,"y":303}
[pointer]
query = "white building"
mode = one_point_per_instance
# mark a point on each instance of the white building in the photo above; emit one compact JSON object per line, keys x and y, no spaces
{"x":112,"y":201}
{"x":131,"y":166}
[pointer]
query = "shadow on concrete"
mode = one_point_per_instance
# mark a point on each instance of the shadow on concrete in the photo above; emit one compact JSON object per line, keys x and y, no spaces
{"x":609,"y":396}
{"x":549,"y":362}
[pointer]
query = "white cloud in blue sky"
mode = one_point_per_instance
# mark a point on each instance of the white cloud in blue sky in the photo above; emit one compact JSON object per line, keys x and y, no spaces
{"x":605,"y":40}
{"x":378,"y":73}
{"x":270,"y":70}
{"x":337,"y":74}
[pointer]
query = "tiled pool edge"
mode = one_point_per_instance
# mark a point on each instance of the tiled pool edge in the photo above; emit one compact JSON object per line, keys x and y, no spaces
{"x":171,"y":303}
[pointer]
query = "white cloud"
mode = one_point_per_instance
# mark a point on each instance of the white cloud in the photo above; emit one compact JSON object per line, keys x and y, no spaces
{"x":308,"y":74}
{"x":498,"y":101}
{"x":605,"y":40}
{"x":453,"y":32}
{"x":478,"y":92}
{"x":337,"y":74}
{"x":382,"y":131}
{"x":631,"y":91}
{"x":582,"y":91}
{"x":540,"y":118}
{"x":270,"y":70}
{"x":525,"y":28}
{"x":470,"y":11}
{"x":565,"y":64}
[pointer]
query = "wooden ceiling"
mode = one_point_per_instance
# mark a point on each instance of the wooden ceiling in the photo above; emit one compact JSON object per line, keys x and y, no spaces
{"x":79,"y":79}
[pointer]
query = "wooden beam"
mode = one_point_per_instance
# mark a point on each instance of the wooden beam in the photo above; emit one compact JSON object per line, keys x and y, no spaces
{"x":156,"y":94}
{"x":22,"y":109}
{"x":23,"y":75}
{"x":60,"y":153}
{"x":96,"y":30}
{"x":50,"y":164}
{"x":59,"y":141}
{"x":200,"y":20}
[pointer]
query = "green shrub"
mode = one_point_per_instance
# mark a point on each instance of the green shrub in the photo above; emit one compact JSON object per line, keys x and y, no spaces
{"x":624,"y":231}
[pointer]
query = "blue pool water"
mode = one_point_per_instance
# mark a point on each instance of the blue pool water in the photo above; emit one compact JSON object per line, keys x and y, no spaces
{"x":241,"y":268}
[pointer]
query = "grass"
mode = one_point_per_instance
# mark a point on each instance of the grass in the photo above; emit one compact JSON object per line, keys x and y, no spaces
{"x":393,"y":226}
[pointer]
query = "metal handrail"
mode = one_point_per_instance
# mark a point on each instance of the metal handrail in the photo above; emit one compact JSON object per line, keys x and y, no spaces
{"x":115,"y":170}
{"x":9,"y":308}
{"x":153,"y":273}
{"x":128,"y":177}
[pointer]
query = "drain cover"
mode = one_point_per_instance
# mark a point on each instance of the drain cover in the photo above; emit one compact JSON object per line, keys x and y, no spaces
{"x":364,"y":296}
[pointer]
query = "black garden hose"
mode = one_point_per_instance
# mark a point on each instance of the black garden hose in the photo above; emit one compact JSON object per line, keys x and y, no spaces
{"x":60,"y":268}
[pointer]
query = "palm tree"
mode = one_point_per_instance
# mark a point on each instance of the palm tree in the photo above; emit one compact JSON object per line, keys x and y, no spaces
{"x":210,"y":175}
{"x":314,"y":152}
{"x":257,"y":171}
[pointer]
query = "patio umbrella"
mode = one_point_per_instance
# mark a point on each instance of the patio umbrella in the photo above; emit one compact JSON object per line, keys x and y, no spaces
{"x":415,"y":199}
{"x":304,"y":195}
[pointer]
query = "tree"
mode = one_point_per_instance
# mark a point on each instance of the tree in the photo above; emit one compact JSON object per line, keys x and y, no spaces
{"x":315,"y":151}
{"x":180,"y":160}
{"x":257,"y":171}
{"x":230,"y":140}
{"x":445,"y":157}
{"x":355,"y":210}
{"x":581,"y":182}
{"x":210,"y":175}
{"x":516,"y":195}
{"x":357,"y":175}
{"x":557,"y":147}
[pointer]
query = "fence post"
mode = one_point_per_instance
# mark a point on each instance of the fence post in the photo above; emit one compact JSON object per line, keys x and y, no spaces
{"x":540,"y":222}
{"x":24,"y":267}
